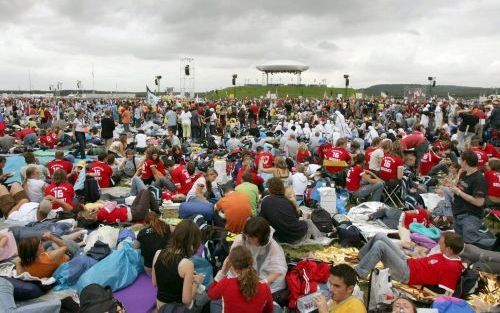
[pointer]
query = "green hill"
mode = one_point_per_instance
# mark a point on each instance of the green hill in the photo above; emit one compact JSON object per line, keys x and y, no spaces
{"x":282,"y":91}
{"x":398,"y":90}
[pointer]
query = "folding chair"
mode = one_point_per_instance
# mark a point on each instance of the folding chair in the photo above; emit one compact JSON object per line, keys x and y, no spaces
{"x":393,"y":195}
{"x":494,"y":214}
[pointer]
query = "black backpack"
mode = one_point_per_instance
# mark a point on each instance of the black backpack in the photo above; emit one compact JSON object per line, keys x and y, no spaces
{"x":323,"y":220}
{"x":468,"y":283}
{"x":97,"y":299}
{"x":350,"y":235}
{"x":92,"y":193}
{"x":217,"y":249}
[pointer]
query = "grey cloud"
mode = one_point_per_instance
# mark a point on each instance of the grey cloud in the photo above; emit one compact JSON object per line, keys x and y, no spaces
{"x":387,"y":40}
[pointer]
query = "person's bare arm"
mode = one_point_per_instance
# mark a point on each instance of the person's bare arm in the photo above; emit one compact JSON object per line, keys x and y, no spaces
{"x":59,"y":252}
{"x":65,"y":206}
{"x":153,"y":273}
{"x":479,"y":202}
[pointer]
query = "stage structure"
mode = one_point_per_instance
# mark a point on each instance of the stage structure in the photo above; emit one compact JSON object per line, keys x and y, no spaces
{"x":291,"y":67}
{"x":187,"y":77}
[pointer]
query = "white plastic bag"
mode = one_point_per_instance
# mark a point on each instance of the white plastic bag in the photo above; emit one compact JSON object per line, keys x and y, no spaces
{"x":328,"y":199}
{"x":106,"y":234}
{"x":380,"y":288}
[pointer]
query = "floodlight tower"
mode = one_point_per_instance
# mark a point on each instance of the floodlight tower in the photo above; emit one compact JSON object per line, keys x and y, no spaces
{"x":187,"y":76}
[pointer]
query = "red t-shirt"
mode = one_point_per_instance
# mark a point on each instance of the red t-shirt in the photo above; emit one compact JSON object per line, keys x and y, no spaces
{"x":57,"y":164}
{"x":267,"y":159}
{"x":323,"y":148}
{"x":420,"y":216}
{"x":493,"y":179}
{"x":147,"y":172}
{"x":256,"y":179}
{"x":353,"y":181}
{"x":337,"y":154}
{"x":23,"y":133}
{"x":181,"y":176}
{"x":491,"y":151}
{"x":228,"y":289}
{"x":389,"y":167}
{"x":411,"y":141}
{"x":63,"y":191}
{"x":368,"y":153}
{"x":118,"y":215}
{"x":428,"y":161}
{"x":102,"y":173}
{"x":47,"y":141}
{"x":302,"y":155}
{"x":435,"y":270}
{"x":482,"y":157}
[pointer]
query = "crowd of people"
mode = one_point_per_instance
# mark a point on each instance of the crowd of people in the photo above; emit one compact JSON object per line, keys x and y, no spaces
{"x":383,"y":150}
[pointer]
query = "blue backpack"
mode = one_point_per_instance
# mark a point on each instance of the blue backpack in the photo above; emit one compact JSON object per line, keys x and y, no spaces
{"x":451,"y":305}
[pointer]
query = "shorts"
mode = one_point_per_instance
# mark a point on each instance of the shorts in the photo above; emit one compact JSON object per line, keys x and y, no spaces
{"x":7,"y":202}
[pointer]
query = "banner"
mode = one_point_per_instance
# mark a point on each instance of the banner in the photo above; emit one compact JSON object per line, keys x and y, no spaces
{"x":151,"y":98}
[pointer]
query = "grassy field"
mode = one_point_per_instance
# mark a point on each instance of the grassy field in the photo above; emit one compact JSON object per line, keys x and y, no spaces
{"x":282,"y":91}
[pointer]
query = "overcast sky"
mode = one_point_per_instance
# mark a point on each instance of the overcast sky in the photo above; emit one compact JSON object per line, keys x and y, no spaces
{"x":129,"y":42}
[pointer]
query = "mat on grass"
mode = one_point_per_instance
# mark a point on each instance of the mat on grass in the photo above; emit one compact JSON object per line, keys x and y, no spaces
{"x":140,"y":297}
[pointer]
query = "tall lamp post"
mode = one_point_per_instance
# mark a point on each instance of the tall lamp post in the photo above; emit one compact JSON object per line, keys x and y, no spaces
{"x":346,"y":77}
{"x":432,"y":83}
{"x":157,"y":83}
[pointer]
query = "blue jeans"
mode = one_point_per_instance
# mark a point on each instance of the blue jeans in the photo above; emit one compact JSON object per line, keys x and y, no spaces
{"x":9,"y":305}
{"x":29,"y":141}
{"x":374,"y":189}
{"x":80,"y":138}
{"x":473,"y":231}
{"x":381,"y":248}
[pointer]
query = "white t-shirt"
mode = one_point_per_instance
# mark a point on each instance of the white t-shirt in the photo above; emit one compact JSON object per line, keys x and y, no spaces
{"x":299,"y":183}
{"x":26,"y":213}
{"x":186,"y":118}
{"x":141,"y":140}
{"x":376,"y":159}
{"x":34,"y":190}
{"x":79,"y":125}
{"x":192,"y":191}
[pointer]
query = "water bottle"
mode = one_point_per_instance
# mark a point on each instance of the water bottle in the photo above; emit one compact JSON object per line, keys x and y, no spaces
{"x":305,"y":304}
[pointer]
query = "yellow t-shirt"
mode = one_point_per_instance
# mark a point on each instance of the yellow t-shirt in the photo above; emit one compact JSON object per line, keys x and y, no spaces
{"x":350,"y":305}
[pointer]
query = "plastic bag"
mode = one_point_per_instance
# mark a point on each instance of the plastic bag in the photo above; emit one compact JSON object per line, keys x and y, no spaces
{"x":380,"y":288}
{"x":68,"y":273}
{"x":104,"y":233}
{"x":118,"y":270}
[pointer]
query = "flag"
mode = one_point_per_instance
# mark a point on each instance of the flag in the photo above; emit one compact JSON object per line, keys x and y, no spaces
{"x":151,"y":98}
{"x":450,"y":97}
{"x":268,"y":96}
{"x":383,"y":94}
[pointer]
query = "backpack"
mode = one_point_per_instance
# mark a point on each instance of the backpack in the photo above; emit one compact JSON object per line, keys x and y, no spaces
{"x":92,"y":193}
{"x":322,"y":219}
{"x":216,"y":250}
{"x":97,"y":299}
{"x":156,"y":193}
{"x":468,"y":283}
{"x":350,"y":235}
{"x":446,"y":304}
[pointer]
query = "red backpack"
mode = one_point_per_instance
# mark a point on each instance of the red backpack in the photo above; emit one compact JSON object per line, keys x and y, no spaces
{"x":304,"y":279}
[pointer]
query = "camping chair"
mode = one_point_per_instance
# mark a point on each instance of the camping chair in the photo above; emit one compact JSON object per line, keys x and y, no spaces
{"x":494,"y":213}
{"x":393,"y":194}
{"x":340,"y":177}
